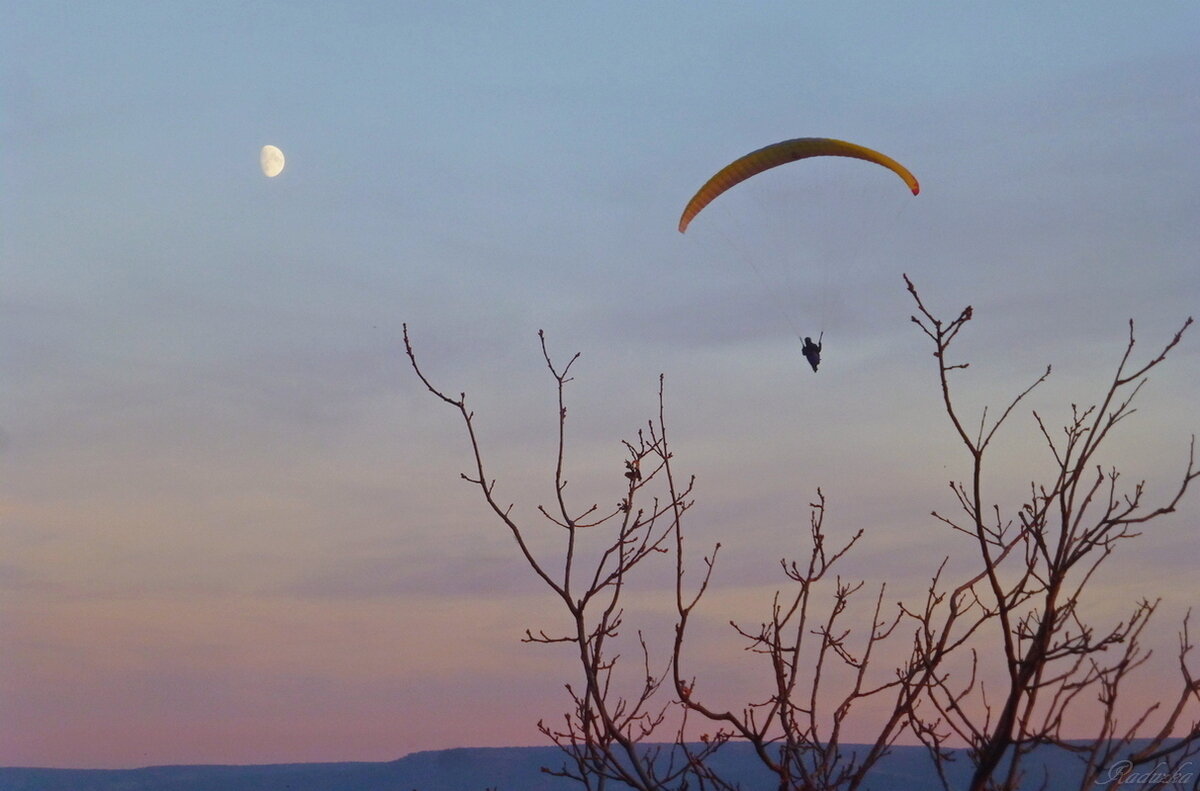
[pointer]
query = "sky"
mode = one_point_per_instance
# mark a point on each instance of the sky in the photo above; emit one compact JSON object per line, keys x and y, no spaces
{"x":232,"y":528}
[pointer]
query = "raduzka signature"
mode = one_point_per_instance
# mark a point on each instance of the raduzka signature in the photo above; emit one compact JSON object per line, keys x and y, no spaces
{"x":1122,"y":774}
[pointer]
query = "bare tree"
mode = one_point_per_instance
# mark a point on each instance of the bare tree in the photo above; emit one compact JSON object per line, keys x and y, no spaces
{"x":796,"y":730}
{"x":1022,"y":604}
{"x":822,"y":663}
{"x":604,"y":731}
{"x":1052,"y":656}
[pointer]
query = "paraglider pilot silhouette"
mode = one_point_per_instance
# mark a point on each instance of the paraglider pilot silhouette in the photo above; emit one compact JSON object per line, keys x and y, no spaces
{"x":812,"y":351}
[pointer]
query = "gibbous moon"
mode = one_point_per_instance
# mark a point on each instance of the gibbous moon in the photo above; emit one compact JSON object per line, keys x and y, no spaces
{"x":271,"y":160}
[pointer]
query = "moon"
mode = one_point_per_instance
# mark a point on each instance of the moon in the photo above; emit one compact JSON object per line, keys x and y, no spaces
{"x":271,"y":159}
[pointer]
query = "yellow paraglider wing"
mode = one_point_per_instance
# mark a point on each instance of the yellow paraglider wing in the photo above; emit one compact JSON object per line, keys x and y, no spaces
{"x":780,"y":154}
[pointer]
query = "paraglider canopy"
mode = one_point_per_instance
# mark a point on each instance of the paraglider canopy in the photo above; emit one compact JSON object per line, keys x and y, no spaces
{"x":780,"y":154}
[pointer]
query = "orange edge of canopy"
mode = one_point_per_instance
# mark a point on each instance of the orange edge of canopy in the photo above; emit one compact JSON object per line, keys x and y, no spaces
{"x":780,"y":154}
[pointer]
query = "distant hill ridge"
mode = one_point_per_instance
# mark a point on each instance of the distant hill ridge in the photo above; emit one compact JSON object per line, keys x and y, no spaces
{"x":477,"y":769}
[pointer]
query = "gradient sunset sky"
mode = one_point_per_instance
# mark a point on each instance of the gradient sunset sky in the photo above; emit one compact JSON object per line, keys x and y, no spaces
{"x":231,"y":524}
